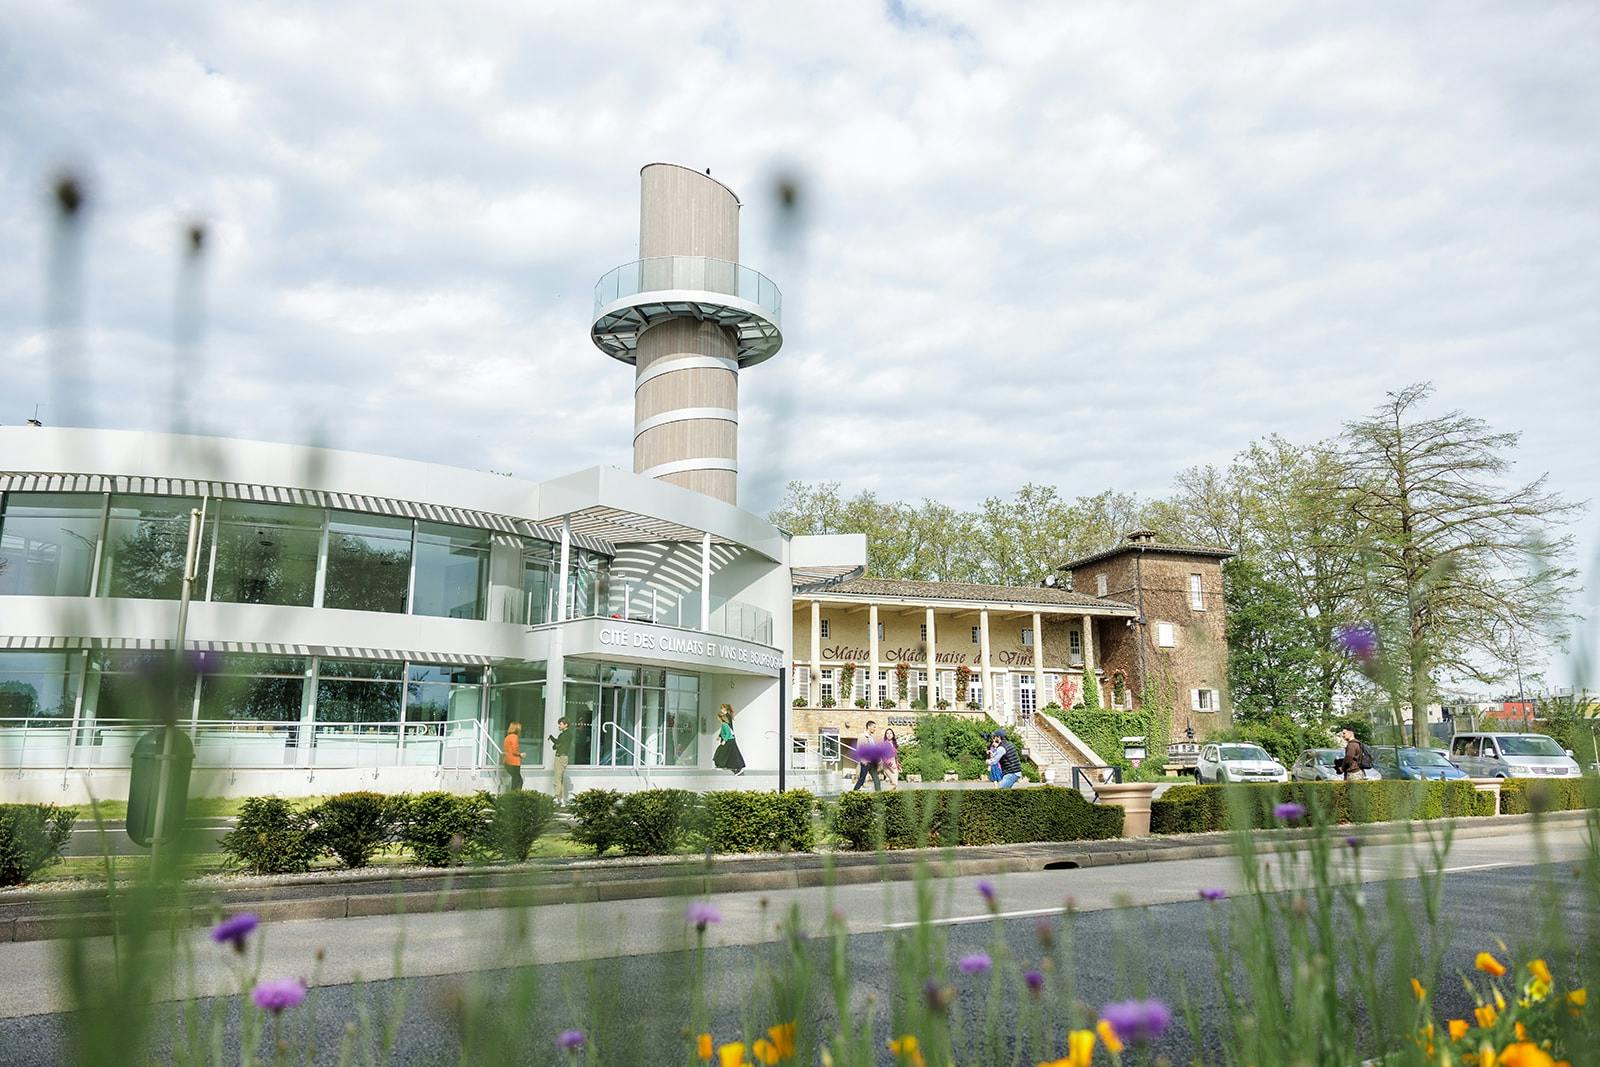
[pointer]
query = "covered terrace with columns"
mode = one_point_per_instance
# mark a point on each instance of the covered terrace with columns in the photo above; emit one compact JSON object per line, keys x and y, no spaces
{"x":1003,"y":651}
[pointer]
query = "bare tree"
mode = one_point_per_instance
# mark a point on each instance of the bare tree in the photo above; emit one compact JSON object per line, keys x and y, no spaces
{"x":1450,"y":550}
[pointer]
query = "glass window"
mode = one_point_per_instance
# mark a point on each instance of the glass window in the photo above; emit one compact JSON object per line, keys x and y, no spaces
{"x":259,"y":688}
{"x":38,"y":685}
{"x":1197,"y":593}
{"x":47,"y":543}
{"x":827,"y":684}
{"x":1075,"y":643}
{"x":133,"y":685}
{"x":452,"y":571}
{"x":588,"y":583}
{"x":582,"y":706}
{"x":266,"y":553}
{"x":358,"y":691}
{"x":1027,"y":637}
{"x":823,"y":629}
{"x":442,"y":694}
{"x":369,"y":562}
{"x":539,"y":565}
{"x":977,"y":635}
{"x":682,"y":734}
{"x":1530,"y":745}
{"x":1099,"y":585}
{"x":146,"y":538}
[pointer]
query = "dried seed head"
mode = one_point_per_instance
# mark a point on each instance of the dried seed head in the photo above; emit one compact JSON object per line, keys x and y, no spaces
{"x":69,"y":196}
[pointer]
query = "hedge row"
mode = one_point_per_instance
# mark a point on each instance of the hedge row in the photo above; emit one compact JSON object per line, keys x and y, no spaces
{"x":31,"y":837}
{"x":659,"y":822}
{"x":969,"y":817}
{"x":1199,"y":808}
{"x":1518,"y":796}
{"x":276,"y":836}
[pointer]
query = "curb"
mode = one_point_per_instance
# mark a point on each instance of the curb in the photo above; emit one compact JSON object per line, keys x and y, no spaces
{"x":46,"y":916}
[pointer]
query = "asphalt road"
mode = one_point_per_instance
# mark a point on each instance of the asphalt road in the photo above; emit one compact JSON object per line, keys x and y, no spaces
{"x":628,"y":955}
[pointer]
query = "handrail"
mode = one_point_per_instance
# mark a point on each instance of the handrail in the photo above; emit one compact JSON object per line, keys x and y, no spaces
{"x":639,"y":746}
{"x":1081,"y":779}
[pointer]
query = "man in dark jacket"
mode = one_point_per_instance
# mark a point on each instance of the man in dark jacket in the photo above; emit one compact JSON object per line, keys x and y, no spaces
{"x":1350,"y":762}
{"x":1010,"y":763}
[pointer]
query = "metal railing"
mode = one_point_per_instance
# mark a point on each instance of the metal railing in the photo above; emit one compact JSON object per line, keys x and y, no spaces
{"x":695,"y":273}
{"x":1084,"y":781}
{"x":250,"y":744}
{"x":669,"y":607}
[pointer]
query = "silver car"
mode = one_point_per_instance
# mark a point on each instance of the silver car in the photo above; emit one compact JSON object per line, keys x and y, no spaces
{"x":1239,"y":762}
{"x":1503,"y":755}
{"x":1316,"y":765}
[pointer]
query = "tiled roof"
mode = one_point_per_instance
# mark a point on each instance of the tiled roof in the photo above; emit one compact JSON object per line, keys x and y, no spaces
{"x":1013,"y":594}
{"x":1149,"y":546}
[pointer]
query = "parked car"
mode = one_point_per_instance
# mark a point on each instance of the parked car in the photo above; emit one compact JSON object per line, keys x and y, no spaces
{"x":1415,"y":764}
{"x":1316,"y":765}
{"x":1505,"y":755}
{"x":1234,"y":762}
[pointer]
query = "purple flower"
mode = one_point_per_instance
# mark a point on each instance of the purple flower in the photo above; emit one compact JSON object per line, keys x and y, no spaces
{"x":874,"y":751}
{"x":1354,"y":842}
{"x":977,"y":963}
{"x":570,"y":1040}
{"x":1359,"y":641}
{"x":1289,"y":811}
{"x":276,"y":994}
{"x":986,"y":890}
{"x":1137,"y":1021}
{"x":1213,"y":894}
{"x":1034,"y":981}
{"x":234,"y":929}
{"x":703,"y":915}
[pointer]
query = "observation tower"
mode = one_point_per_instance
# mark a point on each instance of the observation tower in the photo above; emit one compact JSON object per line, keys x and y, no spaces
{"x":688,"y":316}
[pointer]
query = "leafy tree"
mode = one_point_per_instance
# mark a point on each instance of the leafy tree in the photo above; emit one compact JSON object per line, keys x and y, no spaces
{"x":1272,"y":647}
{"x":1457,"y":560}
{"x":1091,"y":691}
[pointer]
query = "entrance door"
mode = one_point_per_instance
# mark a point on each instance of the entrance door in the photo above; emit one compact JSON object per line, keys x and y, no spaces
{"x":1026,"y":698}
{"x":619,"y":725}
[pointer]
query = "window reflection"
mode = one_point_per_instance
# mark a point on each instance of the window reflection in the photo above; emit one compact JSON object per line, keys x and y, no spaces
{"x":259,"y":688}
{"x":358,"y":691}
{"x":452,"y":571}
{"x":369,"y":562}
{"x":146,"y":538}
{"x":266,"y":554}
{"x":47,"y":543}
{"x":38,"y":685}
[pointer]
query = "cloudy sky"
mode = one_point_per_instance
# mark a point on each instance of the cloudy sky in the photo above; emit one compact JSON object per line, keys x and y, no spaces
{"x":1083,"y":244}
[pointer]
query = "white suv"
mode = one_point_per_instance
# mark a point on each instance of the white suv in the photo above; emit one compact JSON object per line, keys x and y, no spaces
{"x":1505,"y":755}
{"x":1237,"y":762}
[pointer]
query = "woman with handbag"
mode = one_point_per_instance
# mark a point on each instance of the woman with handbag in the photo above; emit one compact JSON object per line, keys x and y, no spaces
{"x":727,"y":755}
{"x":891,"y":765}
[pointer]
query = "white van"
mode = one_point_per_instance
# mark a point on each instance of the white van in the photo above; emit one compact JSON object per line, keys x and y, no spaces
{"x":1500,"y":755}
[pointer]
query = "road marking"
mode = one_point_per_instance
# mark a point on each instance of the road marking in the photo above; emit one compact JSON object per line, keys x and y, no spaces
{"x":1476,"y":867}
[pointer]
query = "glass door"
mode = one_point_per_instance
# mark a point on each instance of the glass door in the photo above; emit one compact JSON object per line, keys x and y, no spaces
{"x":619,"y":725}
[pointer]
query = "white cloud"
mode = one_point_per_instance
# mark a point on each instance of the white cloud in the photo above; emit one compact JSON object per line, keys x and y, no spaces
{"x":1085,"y":244}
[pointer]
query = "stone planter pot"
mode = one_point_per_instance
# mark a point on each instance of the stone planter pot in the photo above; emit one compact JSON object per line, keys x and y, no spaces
{"x":1134,"y":800}
{"x":1489,"y":785}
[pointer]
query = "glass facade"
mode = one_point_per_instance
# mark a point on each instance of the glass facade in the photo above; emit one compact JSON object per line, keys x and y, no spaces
{"x":254,"y":688}
{"x":146,"y":538}
{"x":38,"y":686}
{"x":48,"y":543}
{"x":134,"y":686}
{"x":517,"y":695}
{"x":541,"y":565}
{"x":623,"y":716}
{"x":359,"y":691}
{"x":266,"y":553}
{"x":452,"y":571}
{"x":369,"y":562}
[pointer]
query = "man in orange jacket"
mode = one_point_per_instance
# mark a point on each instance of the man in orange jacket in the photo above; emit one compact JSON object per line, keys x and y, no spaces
{"x":511,"y":755}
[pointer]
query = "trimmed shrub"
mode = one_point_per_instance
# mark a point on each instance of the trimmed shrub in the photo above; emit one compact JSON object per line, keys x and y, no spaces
{"x":354,"y":826}
{"x":654,"y":822}
{"x":443,"y":829}
{"x":1519,"y":796}
{"x":1001,"y":816}
{"x":758,"y":822}
{"x":31,"y":838}
{"x":520,"y":817}
{"x":1202,"y":808}
{"x":594,"y":818}
{"x":271,"y":836}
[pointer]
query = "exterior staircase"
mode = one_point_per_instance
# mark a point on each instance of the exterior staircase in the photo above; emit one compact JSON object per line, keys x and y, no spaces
{"x":1055,"y":749}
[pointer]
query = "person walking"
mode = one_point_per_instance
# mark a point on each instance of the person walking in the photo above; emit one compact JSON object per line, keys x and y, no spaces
{"x":867,"y":766}
{"x":1009,"y":762}
{"x":1351,"y":762}
{"x":891,"y":764}
{"x":511,"y":756}
{"x":561,"y":745}
{"x":727,"y":755}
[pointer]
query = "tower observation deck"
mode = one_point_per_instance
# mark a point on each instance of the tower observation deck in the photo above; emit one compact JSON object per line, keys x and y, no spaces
{"x":688,"y":316}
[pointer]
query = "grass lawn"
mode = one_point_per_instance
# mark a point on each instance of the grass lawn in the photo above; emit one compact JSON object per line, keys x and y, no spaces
{"x":198,"y":808}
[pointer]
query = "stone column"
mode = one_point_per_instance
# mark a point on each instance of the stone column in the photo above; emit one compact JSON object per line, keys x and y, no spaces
{"x":1039,"y":695}
{"x":983,"y":654}
{"x":933,"y":663}
{"x":872,"y":662}
{"x":816,"y":654}
{"x":1088,"y":654}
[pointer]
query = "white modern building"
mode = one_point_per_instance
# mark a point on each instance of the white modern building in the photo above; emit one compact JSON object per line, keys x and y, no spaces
{"x":360,"y":621}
